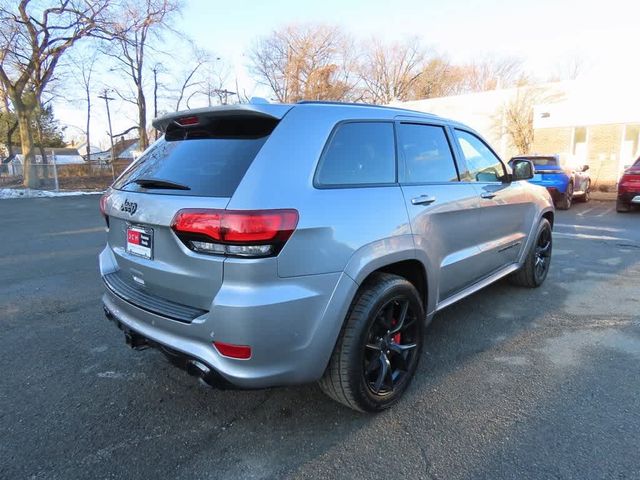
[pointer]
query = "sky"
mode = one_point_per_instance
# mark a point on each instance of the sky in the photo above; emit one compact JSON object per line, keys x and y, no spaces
{"x":545,"y":34}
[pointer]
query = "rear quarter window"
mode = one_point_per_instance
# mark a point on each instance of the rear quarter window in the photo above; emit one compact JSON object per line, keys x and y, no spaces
{"x":358,"y":153}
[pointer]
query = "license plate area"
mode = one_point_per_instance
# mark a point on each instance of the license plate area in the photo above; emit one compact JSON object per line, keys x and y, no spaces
{"x":140,"y":241}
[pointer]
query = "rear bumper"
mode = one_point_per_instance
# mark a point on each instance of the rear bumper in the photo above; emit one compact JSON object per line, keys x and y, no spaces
{"x":555,"y":187}
{"x":555,"y":193}
{"x":629,"y":197}
{"x":291,"y":325}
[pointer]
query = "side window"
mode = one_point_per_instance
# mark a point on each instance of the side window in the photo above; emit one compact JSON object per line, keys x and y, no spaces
{"x":426,"y":153}
{"x":359,"y":153}
{"x":483,"y":164}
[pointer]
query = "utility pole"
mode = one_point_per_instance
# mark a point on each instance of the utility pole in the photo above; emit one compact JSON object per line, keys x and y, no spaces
{"x":225,"y":92}
{"x":105,"y":96}
{"x":155,"y":98}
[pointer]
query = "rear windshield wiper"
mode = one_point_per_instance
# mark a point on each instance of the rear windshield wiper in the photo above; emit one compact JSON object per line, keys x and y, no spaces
{"x":159,"y":183}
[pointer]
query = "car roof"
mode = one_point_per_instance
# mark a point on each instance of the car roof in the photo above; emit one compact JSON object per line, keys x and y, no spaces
{"x":534,"y":156}
{"x":279,"y":110}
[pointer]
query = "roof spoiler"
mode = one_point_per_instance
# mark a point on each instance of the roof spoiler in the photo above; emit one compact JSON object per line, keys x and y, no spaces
{"x":274,"y":111}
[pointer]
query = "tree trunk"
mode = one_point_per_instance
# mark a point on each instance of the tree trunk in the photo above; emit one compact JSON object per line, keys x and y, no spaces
{"x":142,"y":120}
{"x":88,"y":126}
{"x":30,"y":175}
{"x":43,"y":154}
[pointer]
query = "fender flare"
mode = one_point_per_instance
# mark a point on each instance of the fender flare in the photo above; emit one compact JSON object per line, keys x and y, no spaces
{"x":381,"y":253}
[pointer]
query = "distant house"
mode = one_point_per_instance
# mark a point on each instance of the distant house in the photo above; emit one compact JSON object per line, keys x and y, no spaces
{"x":61,"y":156}
{"x":82,"y":149}
{"x":123,"y":149}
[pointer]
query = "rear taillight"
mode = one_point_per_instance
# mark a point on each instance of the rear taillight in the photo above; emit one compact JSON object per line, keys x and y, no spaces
{"x":103,"y":207}
{"x":629,"y":182}
{"x":248,"y":233}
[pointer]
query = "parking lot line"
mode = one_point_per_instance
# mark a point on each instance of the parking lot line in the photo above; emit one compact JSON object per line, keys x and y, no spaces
{"x":589,"y":227}
{"x":591,"y":237}
{"x":581,"y":214}
{"x":606,"y":212}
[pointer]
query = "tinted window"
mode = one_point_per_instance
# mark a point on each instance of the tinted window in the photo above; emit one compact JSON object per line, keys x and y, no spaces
{"x":483,"y":164}
{"x":539,"y":161}
{"x":210,"y":160}
{"x":359,"y":153}
{"x":426,"y":153}
{"x":544,"y":162}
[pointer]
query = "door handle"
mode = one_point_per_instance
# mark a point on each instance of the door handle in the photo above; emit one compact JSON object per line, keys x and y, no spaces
{"x":423,"y":200}
{"x":487,"y":194}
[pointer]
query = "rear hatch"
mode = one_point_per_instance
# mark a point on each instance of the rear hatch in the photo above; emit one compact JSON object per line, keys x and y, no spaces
{"x":547,"y":170}
{"x":197,"y":164}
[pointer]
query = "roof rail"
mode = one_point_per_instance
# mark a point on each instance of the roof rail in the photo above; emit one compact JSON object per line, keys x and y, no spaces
{"x":333,"y":102}
{"x":370,"y":105}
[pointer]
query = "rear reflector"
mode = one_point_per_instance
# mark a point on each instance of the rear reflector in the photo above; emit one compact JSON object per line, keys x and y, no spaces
{"x":242,"y":352}
{"x":103,"y":204}
{"x":103,"y":207}
{"x":250,"y":233}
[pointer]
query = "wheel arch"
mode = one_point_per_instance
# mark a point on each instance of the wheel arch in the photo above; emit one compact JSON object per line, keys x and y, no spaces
{"x":397,"y":256}
{"x":549,"y":215}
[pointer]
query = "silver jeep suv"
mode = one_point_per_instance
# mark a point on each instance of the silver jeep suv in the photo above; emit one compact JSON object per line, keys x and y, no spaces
{"x":265,"y":244}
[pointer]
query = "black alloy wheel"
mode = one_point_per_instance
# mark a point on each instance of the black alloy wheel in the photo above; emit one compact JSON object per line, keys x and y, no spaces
{"x":378,"y":350}
{"x":542,"y":254}
{"x":390,"y":348}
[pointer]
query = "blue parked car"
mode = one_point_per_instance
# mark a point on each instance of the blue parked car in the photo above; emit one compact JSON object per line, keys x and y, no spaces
{"x":563,"y":183}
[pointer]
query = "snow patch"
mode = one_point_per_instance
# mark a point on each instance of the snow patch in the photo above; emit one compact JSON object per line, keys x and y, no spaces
{"x":29,"y":193}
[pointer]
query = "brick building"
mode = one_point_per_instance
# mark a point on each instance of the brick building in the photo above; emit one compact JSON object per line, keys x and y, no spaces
{"x":585,"y":122}
{"x":592,"y":126}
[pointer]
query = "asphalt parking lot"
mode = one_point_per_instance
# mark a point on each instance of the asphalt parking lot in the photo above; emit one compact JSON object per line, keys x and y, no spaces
{"x":513,"y":383}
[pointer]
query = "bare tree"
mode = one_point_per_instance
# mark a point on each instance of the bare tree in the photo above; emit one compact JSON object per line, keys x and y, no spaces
{"x":570,"y":68}
{"x":214,"y":84}
{"x":142,"y":22}
{"x":305,"y":62}
{"x":390,"y":72}
{"x":493,"y":72}
{"x":32,"y":42}
{"x":10,"y":123}
{"x":84,"y":66}
{"x":440,"y":78}
{"x":515,"y":118}
{"x":190,"y":78}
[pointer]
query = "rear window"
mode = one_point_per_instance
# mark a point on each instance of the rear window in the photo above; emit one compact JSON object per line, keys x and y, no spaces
{"x":359,"y":153}
{"x":210,"y":159}
{"x":543,"y":161}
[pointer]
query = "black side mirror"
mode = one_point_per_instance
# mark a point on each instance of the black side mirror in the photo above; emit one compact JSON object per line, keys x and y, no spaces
{"x":522,"y":169}
{"x":585,"y":168}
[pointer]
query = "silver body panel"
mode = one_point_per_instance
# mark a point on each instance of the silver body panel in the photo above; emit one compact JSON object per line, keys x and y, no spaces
{"x":290,"y":308}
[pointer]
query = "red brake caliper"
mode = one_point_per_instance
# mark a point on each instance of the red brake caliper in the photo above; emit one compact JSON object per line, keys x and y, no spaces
{"x":396,"y":338}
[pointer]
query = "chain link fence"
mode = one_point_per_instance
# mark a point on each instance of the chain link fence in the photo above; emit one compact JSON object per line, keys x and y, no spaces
{"x":91,"y":176}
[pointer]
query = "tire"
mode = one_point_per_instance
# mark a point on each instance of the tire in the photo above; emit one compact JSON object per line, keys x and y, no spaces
{"x":567,"y":197}
{"x":622,"y":207}
{"x":587,"y":193}
{"x":367,"y":346}
{"x":530,"y":275}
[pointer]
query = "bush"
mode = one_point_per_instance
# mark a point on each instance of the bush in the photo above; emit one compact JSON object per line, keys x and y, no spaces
{"x":606,"y":187}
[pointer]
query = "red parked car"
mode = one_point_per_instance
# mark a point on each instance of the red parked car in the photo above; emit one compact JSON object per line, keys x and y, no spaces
{"x":629,"y":188}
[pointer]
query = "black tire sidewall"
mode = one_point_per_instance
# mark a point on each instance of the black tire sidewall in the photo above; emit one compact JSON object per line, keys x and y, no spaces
{"x":543,"y":225}
{"x":367,"y":400}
